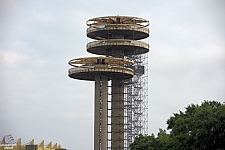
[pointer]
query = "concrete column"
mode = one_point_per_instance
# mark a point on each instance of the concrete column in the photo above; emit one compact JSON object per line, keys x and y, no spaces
{"x":117,"y":115}
{"x":100,"y":120}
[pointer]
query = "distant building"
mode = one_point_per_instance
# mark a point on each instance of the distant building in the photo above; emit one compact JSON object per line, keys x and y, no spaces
{"x":8,"y":143}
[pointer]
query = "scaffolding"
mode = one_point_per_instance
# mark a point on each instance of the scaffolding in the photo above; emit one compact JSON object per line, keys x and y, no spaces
{"x":136,"y":101}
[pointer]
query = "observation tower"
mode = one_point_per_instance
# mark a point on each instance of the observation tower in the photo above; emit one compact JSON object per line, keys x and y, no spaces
{"x":120,"y":74}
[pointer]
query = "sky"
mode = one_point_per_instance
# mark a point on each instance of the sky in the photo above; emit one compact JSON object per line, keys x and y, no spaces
{"x":186,"y":63}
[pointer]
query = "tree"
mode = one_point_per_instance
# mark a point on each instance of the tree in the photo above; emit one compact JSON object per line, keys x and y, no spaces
{"x":144,"y":143}
{"x":198,"y":128}
{"x":151,"y":142}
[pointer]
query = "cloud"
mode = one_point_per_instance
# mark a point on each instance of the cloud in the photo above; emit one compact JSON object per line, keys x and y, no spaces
{"x":40,"y":62}
{"x":73,"y":115}
{"x":13,"y":59}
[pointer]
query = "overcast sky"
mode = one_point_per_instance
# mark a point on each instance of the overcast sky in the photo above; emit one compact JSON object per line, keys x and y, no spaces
{"x":37,"y":39}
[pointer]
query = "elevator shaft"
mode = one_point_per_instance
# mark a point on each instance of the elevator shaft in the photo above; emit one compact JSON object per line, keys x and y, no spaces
{"x":117,"y":122}
{"x":100,"y":121}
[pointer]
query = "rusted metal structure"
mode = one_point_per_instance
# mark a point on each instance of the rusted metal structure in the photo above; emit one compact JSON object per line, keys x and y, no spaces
{"x":119,"y":74}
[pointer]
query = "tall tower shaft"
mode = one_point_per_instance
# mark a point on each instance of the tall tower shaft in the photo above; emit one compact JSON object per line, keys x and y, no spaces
{"x":118,"y":39}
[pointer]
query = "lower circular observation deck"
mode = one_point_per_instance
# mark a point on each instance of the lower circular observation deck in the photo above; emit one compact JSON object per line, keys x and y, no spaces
{"x":108,"y":47}
{"x":88,"y":68}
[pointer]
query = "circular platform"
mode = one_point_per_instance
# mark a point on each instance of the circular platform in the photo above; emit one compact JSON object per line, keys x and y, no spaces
{"x":114,"y":46}
{"x":87,"y":68}
{"x":90,"y":73}
{"x":126,"y":27}
{"x":126,"y":31}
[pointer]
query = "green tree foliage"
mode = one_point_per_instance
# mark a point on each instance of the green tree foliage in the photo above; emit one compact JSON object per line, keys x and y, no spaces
{"x":145,"y":143}
{"x":198,"y":128}
{"x":151,"y":142}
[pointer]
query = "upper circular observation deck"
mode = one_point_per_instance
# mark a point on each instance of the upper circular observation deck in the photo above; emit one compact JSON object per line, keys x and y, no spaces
{"x":125,"y":27}
{"x":87,"y":68}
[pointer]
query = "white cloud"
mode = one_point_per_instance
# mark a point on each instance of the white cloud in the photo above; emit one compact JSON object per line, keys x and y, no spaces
{"x":39,"y":62}
{"x":13,"y":59}
{"x":209,"y":52}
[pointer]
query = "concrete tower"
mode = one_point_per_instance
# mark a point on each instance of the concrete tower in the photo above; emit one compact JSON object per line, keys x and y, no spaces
{"x":117,"y":39}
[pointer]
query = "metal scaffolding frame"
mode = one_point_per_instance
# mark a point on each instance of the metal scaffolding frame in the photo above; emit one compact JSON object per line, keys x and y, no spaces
{"x":136,"y":101}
